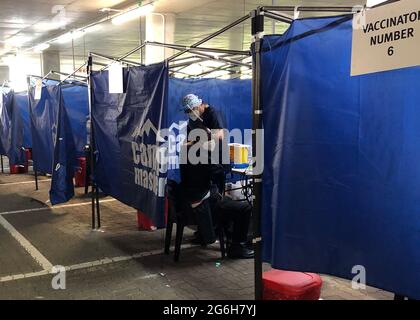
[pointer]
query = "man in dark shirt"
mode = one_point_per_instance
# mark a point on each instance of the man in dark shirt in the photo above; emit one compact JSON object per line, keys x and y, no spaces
{"x":207,"y":203}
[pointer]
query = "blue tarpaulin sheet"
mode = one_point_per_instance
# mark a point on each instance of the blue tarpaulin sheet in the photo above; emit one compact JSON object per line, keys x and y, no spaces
{"x":12,"y":129}
{"x":64,"y":160}
{"x":17,"y":147}
{"x":5,"y":121}
{"x":231,"y":98}
{"x":77,"y":108}
{"x":20,"y":102}
{"x":126,"y":127}
{"x":44,"y":126}
{"x":342,"y":177}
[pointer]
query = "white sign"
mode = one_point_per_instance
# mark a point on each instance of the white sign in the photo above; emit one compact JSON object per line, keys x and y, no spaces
{"x":386,"y":38}
{"x":116,"y":78}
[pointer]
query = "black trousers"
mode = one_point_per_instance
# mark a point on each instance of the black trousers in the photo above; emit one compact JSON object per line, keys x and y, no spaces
{"x":222,"y":212}
{"x":237,"y":214}
{"x":204,"y":220}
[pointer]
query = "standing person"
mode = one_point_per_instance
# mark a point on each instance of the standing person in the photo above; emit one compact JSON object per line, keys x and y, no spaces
{"x":202,"y":116}
{"x":203,"y":184}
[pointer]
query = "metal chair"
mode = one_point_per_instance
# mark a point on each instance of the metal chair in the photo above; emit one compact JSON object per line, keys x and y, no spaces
{"x":178,"y":214}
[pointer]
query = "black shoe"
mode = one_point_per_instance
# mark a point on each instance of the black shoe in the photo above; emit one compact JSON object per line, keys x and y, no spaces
{"x":240,"y":251}
{"x":198,"y":240}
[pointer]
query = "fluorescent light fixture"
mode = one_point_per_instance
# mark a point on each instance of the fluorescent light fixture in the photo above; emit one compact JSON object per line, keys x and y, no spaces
{"x":16,"y":20}
{"x":47,"y":26}
{"x":372,"y":3}
{"x":93,"y":28}
{"x":70,"y":36}
{"x":193,"y":69}
{"x":9,"y":59}
{"x":109,"y":10}
{"x":133,"y":14}
{"x":17,"y":41}
{"x":41,"y":47}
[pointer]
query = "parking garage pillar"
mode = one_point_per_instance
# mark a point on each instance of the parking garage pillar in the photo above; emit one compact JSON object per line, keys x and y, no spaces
{"x":50,"y":61}
{"x":159,"y":28}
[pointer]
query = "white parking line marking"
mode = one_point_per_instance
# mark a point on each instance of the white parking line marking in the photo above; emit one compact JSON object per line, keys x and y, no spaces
{"x":55,"y":207}
{"x":39,"y":258}
{"x":22,"y":182}
{"x":86,"y":265}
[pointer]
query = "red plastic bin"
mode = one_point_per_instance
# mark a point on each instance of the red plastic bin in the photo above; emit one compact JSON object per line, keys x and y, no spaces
{"x":28,"y":156}
{"x":80,"y":175}
{"x":291,"y":285}
{"x":16,"y":169}
{"x":144,"y":223}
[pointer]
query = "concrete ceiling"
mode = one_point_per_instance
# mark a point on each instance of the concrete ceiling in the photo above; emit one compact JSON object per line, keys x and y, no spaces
{"x":37,"y":21}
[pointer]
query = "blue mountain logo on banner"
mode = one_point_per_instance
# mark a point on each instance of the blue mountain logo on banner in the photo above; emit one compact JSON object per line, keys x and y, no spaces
{"x":149,"y":164}
{"x":177,"y":134}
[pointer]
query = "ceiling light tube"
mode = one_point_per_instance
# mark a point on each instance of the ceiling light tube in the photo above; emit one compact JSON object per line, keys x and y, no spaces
{"x":94,"y":28}
{"x":41,"y":47}
{"x":70,"y":36}
{"x":133,"y":14}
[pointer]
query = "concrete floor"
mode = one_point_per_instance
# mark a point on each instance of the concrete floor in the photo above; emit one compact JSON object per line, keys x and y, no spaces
{"x":117,"y":262}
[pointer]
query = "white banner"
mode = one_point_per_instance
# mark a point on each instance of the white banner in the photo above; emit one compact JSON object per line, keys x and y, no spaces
{"x":386,"y":38}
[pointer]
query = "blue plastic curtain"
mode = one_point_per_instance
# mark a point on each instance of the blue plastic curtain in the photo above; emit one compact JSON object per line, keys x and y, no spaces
{"x":64,"y":160}
{"x":12,"y":124}
{"x":126,"y":130}
{"x":342,"y":177}
{"x":5,"y":120}
{"x":44,"y":126}
{"x":17,"y":148}
{"x":20,"y":102}
{"x":77,"y":108}
{"x":232,"y":98}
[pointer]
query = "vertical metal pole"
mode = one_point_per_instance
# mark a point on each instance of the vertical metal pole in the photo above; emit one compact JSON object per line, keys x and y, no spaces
{"x":257,"y":26}
{"x":91,"y":164}
{"x":28,"y":79}
{"x":2,"y":167}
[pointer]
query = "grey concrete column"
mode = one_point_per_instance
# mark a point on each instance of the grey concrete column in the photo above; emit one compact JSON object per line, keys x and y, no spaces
{"x":159,"y":28}
{"x":50,"y":60}
{"x":4,"y":74}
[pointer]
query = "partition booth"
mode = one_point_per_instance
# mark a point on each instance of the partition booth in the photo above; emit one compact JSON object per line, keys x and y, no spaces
{"x":337,"y":191}
{"x":14,"y":125}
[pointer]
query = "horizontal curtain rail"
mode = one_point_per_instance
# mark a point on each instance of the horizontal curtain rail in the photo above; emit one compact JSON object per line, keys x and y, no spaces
{"x":278,"y":17}
{"x":66,"y":74}
{"x":194,"y":49}
{"x":115,"y":59}
{"x":309,"y":8}
{"x":73,"y":73}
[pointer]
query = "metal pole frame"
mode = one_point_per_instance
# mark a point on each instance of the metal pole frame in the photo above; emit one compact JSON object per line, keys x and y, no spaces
{"x":341,"y":9}
{"x":82,"y":78}
{"x":72,"y":74}
{"x":278,"y":17}
{"x":122,"y":58}
{"x":198,"y":49}
{"x":115,"y":59}
{"x":211,"y":36}
{"x":96,"y":219}
{"x":257,"y":30}
{"x":28,"y":79}
{"x":46,"y":78}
